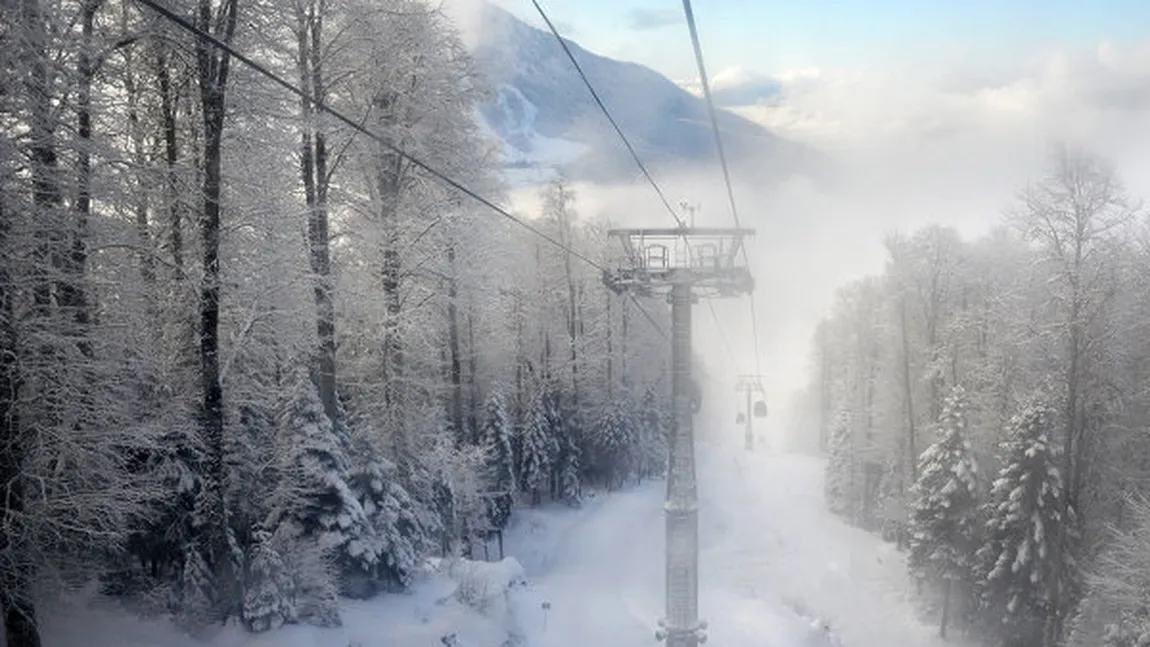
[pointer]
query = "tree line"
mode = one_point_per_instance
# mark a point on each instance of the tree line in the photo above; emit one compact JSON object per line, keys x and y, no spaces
{"x":983,"y":403}
{"x":251,"y":359}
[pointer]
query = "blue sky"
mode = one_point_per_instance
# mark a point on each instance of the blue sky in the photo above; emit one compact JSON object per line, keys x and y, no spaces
{"x":773,"y":35}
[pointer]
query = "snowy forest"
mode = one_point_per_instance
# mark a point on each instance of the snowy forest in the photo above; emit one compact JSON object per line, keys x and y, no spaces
{"x":252,"y":360}
{"x":983,"y":404}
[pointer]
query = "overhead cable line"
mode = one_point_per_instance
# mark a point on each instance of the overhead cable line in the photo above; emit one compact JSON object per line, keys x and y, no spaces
{"x":726,"y":344}
{"x":630,"y":148}
{"x":607,"y":113}
{"x":711,"y":108}
{"x":703,"y":79}
{"x":320,"y":105}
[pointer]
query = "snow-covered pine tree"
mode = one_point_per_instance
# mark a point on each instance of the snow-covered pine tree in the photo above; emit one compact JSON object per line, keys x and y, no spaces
{"x":1018,"y":562}
{"x":403,"y":532}
{"x":566,"y":433}
{"x":536,"y":458}
{"x":312,"y":498}
{"x":839,"y":465}
{"x":890,"y":511}
{"x":269,"y":594}
{"x":944,"y":508}
{"x":569,"y":455}
{"x":614,"y":444}
{"x":652,"y":436}
{"x":500,"y":469}
{"x":196,"y":590}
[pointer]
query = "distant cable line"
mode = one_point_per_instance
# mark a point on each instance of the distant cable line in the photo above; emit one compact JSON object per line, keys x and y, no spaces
{"x":690,"y":15}
{"x":607,"y":113}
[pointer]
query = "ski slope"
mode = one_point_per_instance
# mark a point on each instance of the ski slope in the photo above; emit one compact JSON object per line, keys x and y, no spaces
{"x":775,"y":569}
{"x":774,"y":547}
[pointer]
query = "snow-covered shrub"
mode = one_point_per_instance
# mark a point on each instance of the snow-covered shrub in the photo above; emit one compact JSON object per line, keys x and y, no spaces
{"x":1115,"y":612}
{"x":484,"y":586}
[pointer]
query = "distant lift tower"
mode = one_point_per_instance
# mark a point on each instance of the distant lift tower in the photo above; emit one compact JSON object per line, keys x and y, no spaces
{"x":685,"y":264}
{"x":751,"y":385}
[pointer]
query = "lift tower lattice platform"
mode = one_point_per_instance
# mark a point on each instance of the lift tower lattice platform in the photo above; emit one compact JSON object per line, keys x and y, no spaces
{"x":683,"y":263}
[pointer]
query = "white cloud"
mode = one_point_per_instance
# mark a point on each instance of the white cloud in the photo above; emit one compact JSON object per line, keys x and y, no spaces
{"x":930,"y":141}
{"x":1098,"y":97}
{"x":733,"y":77}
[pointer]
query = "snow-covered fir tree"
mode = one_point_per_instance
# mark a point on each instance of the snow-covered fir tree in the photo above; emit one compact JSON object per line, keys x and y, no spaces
{"x":568,"y":468}
{"x":944,"y":533}
{"x":496,"y":436}
{"x":312,"y":498}
{"x":537,"y":455}
{"x":402,"y":532}
{"x":615,"y":443}
{"x":269,"y":594}
{"x":1020,"y":562}
{"x":196,"y":593}
{"x":890,"y":510}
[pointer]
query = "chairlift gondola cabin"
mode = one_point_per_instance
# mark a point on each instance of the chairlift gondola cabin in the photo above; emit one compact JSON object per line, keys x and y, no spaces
{"x":740,"y":418}
{"x":760,"y":409}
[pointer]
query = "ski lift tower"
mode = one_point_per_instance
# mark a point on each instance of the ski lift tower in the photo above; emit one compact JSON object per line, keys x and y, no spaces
{"x":683,"y":264}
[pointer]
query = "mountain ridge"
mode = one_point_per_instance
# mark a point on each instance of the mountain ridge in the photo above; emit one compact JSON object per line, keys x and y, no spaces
{"x":543,"y":113}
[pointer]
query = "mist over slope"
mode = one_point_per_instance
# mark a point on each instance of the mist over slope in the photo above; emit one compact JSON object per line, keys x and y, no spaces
{"x":546,"y":118}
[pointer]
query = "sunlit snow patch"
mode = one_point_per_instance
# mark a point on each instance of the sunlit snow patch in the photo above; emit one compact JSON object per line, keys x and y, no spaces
{"x":528,"y":157}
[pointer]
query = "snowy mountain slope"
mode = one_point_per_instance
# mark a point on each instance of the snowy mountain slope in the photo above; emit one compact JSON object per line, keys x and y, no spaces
{"x":528,"y":156}
{"x":541,"y":107}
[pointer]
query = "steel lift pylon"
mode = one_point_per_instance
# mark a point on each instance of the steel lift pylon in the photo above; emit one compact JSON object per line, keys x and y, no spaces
{"x":684,"y":264}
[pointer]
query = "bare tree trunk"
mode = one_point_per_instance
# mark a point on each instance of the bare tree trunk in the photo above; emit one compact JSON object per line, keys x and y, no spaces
{"x":16,"y":598}
{"x":453,"y":345}
{"x":16,"y":605}
{"x":623,"y":346}
{"x":946,"y":601}
{"x":72,"y":294}
{"x":610,"y":349}
{"x":389,"y":181}
{"x":169,"y":105}
{"x":825,"y":403}
{"x":520,"y":360}
{"x":316,"y":180}
{"x":908,"y":393}
{"x":212,"y":67}
{"x":73,"y":297}
{"x":472,"y":372}
{"x":933,"y":315}
{"x":145,"y":256}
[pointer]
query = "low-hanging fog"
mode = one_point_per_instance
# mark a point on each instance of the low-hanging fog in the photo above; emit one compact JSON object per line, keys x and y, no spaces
{"x":948,"y":138}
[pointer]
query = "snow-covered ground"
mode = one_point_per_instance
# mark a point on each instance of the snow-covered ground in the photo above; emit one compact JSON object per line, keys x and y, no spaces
{"x":772,"y":560}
